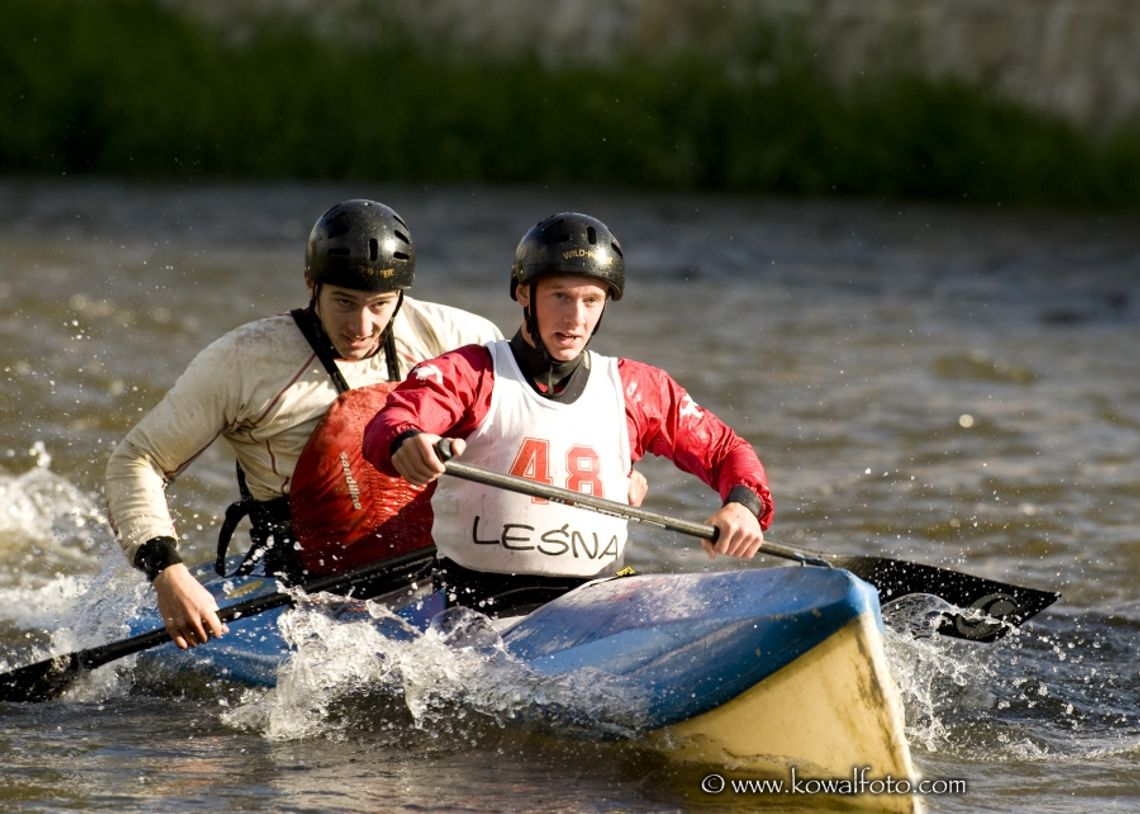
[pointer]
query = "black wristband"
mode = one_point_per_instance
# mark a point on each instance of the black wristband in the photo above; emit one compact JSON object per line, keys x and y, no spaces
{"x":399,"y":440}
{"x":157,"y":554}
{"x":746,"y":498}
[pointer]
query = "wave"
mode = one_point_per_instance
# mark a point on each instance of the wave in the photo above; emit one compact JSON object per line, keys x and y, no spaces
{"x":48,"y":526}
{"x":1061,"y":688}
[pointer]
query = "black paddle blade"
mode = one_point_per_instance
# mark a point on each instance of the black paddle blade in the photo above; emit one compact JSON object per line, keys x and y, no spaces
{"x":987,"y":610}
{"x":51,"y":677}
{"x":41,"y":681}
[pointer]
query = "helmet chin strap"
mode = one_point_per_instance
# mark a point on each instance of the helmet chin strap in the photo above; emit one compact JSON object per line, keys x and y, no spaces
{"x":530,"y":319}
{"x":388,"y":342}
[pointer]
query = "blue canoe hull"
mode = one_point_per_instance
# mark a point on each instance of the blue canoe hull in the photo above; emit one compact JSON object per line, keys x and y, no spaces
{"x":754,"y":669}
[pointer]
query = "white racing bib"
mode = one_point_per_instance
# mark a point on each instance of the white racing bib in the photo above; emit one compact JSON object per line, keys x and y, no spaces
{"x":582,"y":446}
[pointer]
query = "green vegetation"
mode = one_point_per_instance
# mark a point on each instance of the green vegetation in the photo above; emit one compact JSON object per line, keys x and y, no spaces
{"x":133,"y":88}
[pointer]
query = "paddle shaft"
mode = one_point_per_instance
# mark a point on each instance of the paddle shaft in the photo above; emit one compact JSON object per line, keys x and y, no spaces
{"x":50,"y":677}
{"x":703,"y":531}
{"x":992,"y":608}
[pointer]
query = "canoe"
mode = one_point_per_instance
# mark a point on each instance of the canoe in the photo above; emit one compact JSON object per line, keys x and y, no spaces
{"x":757,"y":672}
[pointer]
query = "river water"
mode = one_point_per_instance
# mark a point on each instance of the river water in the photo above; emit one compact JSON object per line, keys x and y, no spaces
{"x":932,"y":383}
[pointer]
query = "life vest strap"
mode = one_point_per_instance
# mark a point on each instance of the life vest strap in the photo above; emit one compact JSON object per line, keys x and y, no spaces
{"x":271,"y":536}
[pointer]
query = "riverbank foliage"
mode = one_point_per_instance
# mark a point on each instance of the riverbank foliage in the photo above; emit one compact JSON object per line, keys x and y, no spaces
{"x":134,"y":88}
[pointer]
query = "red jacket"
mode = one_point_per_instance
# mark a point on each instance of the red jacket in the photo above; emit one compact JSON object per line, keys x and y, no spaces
{"x":450,"y":395}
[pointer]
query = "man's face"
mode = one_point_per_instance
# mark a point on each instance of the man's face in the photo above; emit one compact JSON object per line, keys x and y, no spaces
{"x":355,"y":319}
{"x":567,"y":307}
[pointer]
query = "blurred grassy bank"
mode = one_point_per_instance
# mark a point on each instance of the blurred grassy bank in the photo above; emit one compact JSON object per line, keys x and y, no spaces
{"x":133,"y":88}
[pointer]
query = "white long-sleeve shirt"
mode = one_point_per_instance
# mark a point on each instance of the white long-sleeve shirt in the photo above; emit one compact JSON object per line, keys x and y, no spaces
{"x":262,"y":388}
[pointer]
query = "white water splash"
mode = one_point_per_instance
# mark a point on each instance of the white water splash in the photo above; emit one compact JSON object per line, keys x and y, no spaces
{"x":453,"y":675}
{"x":61,"y":579}
{"x":931,"y":672}
{"x":1011,"y":700}
{"x":47,"y":524}
{"x":53,"y":535}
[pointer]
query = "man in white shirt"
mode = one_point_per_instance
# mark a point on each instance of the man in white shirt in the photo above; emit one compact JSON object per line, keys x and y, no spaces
{"x":265,"y":386}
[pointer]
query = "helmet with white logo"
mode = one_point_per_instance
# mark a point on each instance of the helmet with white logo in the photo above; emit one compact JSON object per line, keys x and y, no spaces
{"x":570,"y":243}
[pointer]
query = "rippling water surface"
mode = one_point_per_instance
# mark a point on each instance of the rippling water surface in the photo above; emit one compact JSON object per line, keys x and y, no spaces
{"x":938,"y":384}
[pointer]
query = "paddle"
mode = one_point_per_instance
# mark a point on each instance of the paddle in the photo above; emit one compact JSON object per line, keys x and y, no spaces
{"x":49,"y":678}
{"x":987,"y":610}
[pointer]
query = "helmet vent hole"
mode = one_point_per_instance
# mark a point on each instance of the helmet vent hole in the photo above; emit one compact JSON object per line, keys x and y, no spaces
{"x":591,"y":235}
{"x":401,"y":255}
{"x":617,"y":249}
{"x":337,"y":225}
{"x":373,"y":249}
{"x":402,"y":236}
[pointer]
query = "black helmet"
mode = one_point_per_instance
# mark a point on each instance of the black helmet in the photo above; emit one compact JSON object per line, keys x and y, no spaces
{"x":570,"y":243}
{"x":361,"y":244}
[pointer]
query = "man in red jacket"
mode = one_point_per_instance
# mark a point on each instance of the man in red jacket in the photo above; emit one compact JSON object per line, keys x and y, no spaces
{"x":543,"y":407}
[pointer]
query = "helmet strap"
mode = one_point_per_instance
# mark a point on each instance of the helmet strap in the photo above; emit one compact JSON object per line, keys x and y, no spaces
{"x":318,"y":329}
{"x":530,"y":318}
{"x":310,"y":327}
{"x":396,"y":310}
{"x":597,"y":324}
{"x":388,"y":343}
